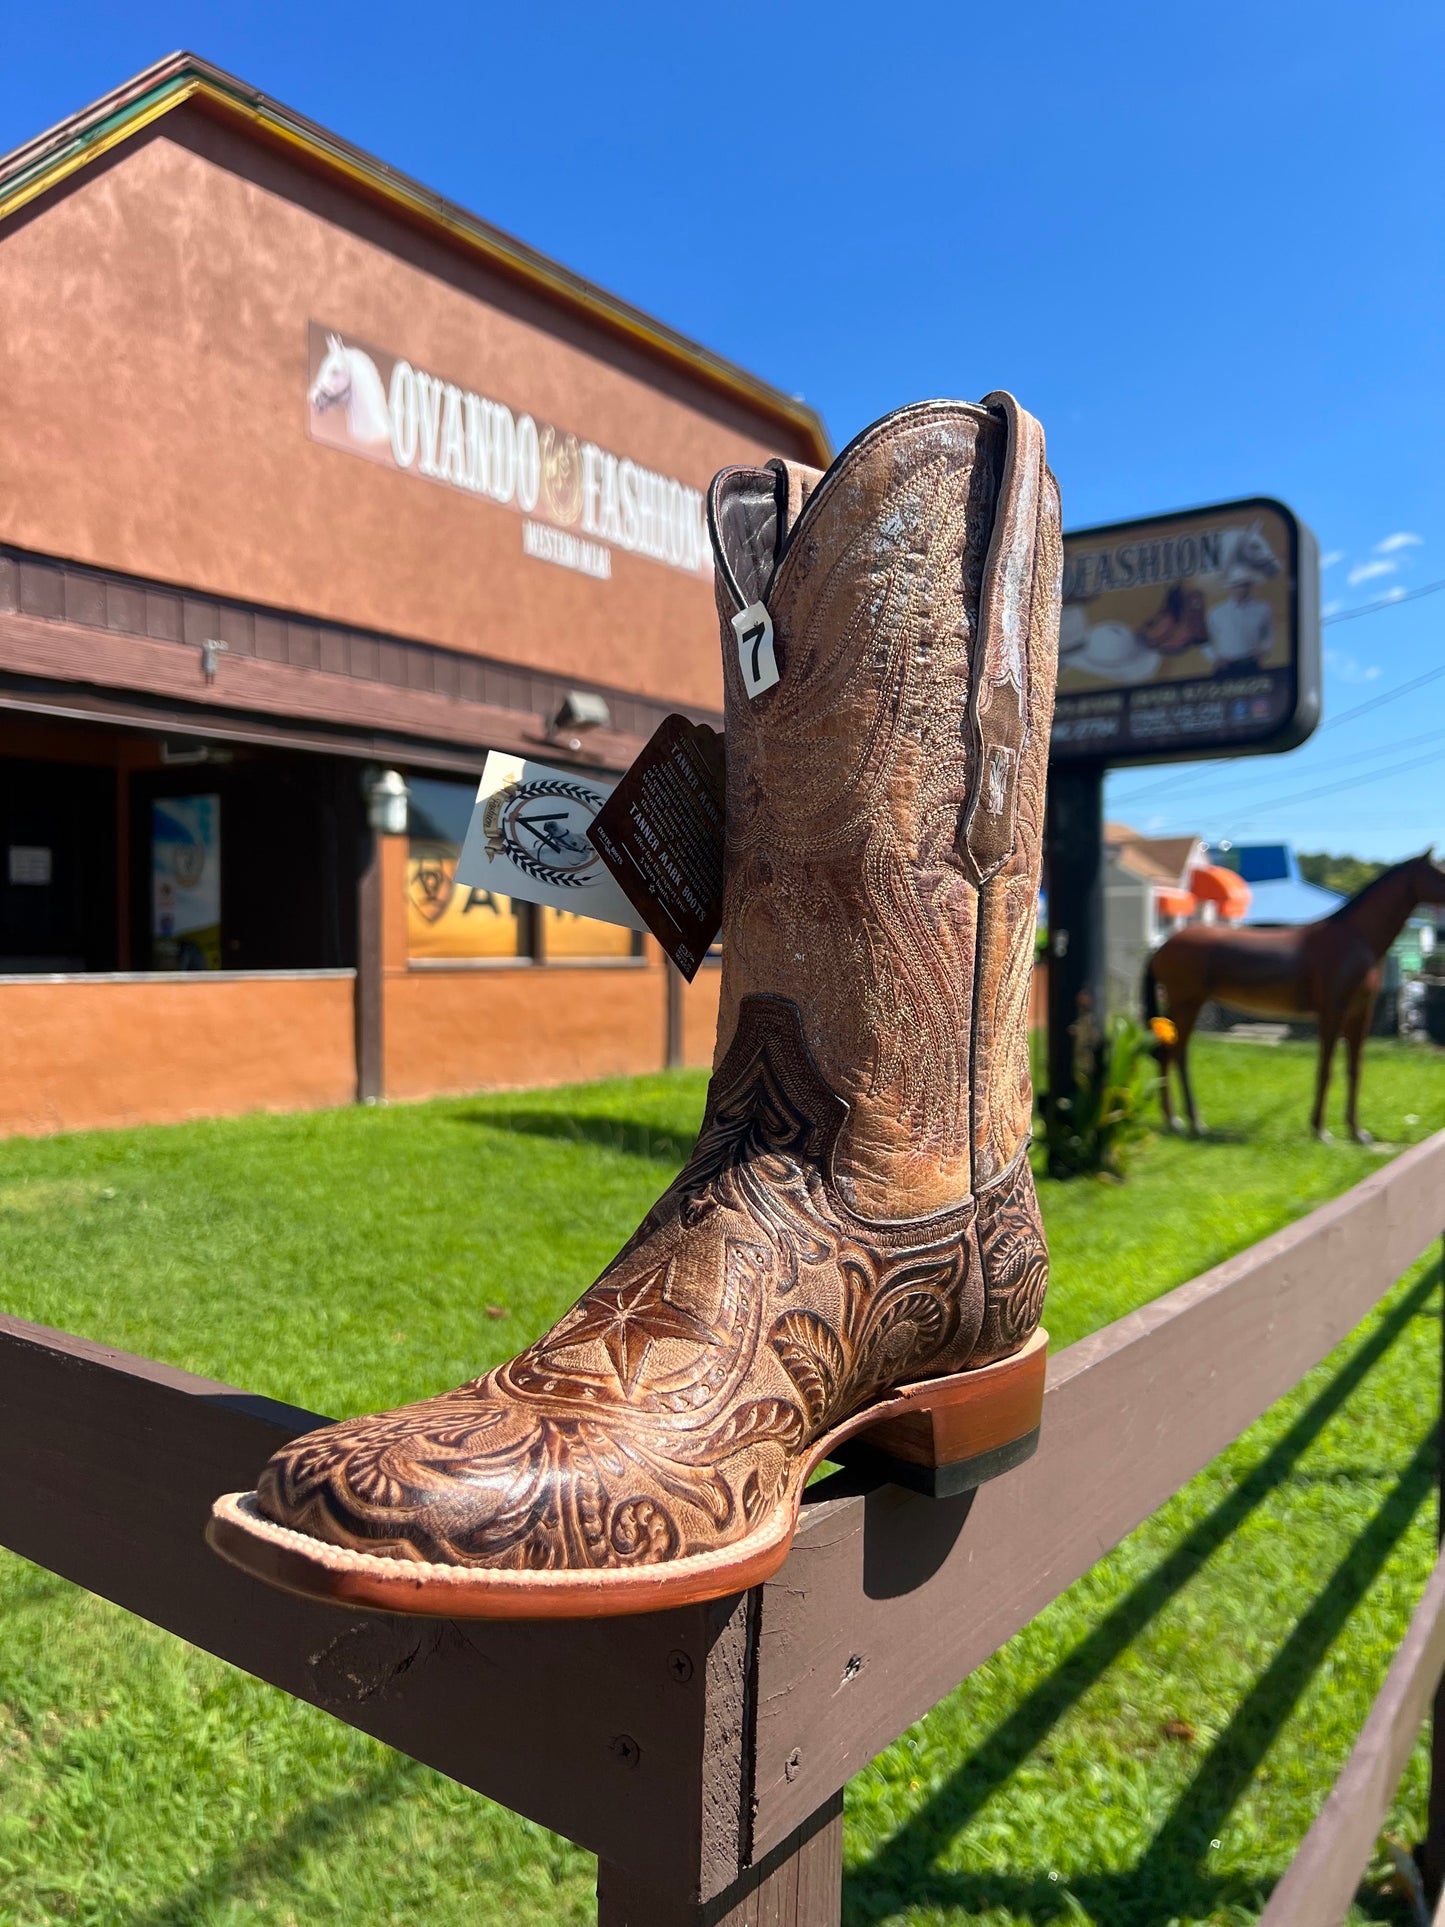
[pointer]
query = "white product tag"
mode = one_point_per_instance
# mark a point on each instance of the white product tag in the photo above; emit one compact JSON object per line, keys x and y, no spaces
{"x":528,"y":839}
{"x":756,"y":657}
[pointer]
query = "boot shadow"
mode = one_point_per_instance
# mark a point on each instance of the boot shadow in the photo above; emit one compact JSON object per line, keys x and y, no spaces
{"x":906,"y":1537}
{"x":627,"y":1135}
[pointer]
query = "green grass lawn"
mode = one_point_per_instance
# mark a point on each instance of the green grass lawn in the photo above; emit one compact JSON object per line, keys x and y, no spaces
{"x":1149,"y":1751}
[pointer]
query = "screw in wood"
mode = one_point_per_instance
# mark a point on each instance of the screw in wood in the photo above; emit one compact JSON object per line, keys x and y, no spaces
{"x":679,"y":1665}
{"x":625,"y":1750}
{"x":793,"y":1765}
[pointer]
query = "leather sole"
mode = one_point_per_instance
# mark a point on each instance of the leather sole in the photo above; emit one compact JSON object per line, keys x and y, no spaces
{"x":941,"y":1435}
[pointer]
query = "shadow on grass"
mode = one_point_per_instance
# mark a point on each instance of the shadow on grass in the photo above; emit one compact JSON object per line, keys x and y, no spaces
{"x":902,"y":1873}
{"x":233,"y":1876}
{"x":624,"y":1134}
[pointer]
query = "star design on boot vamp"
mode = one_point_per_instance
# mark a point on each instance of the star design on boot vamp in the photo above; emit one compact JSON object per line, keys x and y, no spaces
{"x":629,"y":1318}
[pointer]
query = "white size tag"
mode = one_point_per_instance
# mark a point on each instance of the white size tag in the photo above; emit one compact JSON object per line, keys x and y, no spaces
{"x":754,"y":631}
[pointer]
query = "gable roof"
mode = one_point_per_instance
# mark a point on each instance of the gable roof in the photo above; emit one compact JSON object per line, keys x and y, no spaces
{"x":1159,"y":859}
{"x":54,"y":156}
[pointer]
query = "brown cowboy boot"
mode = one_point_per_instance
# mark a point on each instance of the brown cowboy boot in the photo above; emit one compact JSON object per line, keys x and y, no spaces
{"x":853,"y":1251}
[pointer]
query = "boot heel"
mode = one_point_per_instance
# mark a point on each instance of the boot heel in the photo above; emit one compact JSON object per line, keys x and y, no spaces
{"x":944,"y":1436}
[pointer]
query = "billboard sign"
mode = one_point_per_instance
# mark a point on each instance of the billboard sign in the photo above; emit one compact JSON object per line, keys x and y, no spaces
{"x":1189,"y":635}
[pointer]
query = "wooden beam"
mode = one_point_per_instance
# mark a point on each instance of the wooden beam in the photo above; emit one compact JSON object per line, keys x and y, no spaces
{"x":1320,"y":1882}
{"x":692,"y":1747}
{"x":889,"y":1600}
{"x":613,"y":1732}
{"x":799,"y":1884}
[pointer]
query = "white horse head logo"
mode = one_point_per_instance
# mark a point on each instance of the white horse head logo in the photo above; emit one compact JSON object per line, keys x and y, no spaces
{"x":1245,"y":555}
{"x":348,"y":378}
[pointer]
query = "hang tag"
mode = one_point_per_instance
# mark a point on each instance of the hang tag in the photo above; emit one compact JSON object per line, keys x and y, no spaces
{"x":660,"y":833}
{"x":528,"y":839}
{"x":756,"y":656}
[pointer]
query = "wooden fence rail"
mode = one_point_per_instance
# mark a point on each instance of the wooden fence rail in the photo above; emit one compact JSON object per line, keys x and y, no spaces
{"x":701,"y":1753}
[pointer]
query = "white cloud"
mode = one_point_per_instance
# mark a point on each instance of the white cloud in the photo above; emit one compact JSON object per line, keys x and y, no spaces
{"x":1331,"y":557}
{"x":1402,"y":539}
{"x":1393,"y":595}
{"x":1346,"y":668}
{"x":1367,"y":571}
{"x":1331,"y":609}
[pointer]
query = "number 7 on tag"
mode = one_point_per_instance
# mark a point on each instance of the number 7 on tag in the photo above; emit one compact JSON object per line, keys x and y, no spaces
{"x":756,"y":657}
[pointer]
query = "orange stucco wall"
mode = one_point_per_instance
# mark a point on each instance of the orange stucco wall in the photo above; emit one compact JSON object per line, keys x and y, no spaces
{"x":506,"y":1028}
{"x":155,"y":317}
{"x":94,"y":1052}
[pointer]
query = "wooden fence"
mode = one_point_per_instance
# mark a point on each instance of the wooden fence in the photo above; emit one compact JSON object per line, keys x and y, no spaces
{"x":701,"y":1753}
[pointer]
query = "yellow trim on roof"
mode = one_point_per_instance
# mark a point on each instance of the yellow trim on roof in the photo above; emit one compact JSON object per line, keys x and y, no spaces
{"x":33,"y":170}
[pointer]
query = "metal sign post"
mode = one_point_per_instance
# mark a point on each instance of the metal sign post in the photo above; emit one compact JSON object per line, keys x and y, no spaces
{"x":1182,"y":636}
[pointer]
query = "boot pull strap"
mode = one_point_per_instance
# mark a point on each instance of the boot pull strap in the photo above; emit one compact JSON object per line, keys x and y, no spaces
{"x":796,"y":482}
{"x":996,"y":727}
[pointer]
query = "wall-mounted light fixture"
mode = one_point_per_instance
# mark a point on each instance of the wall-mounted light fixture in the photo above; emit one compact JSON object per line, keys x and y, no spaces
{"x":581,"y":710}
{"x":387,"y":798}
{"x":211,"y":653}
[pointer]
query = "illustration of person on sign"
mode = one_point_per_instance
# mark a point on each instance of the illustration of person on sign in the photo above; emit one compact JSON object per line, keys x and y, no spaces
{"x":1241,"y":628}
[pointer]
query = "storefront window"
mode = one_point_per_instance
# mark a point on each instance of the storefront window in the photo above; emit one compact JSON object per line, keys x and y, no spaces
{"x":186,"y":882}
{"x":444,"y":918}
{"x":565,"y":934}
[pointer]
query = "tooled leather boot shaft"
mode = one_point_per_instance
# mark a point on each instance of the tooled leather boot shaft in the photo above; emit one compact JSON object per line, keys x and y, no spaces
{"x":885,"y":796}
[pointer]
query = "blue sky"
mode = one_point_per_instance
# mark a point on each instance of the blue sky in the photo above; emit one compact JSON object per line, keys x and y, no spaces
{"x":1203,"y":246}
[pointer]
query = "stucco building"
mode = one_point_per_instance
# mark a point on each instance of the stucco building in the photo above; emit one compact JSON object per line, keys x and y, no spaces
{"x":310,"y":475}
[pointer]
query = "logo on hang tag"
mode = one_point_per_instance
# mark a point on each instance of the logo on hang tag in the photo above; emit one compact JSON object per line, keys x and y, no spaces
{"x":756,"y":656}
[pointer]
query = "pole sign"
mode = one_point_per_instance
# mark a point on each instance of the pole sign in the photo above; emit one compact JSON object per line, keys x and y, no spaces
{"x":1189,"y":635}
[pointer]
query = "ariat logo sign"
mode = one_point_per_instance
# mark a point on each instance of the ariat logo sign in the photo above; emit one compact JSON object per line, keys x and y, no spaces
{"x":542,"y":826}
{"x":580,"y":501}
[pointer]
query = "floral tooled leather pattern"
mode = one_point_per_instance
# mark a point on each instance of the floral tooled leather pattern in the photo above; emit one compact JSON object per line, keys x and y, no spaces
{"x":666,"y":1411}
{"x":822,"y":1244}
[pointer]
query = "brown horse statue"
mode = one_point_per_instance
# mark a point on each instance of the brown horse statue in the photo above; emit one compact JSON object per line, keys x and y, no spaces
{"x":1329,"y":970}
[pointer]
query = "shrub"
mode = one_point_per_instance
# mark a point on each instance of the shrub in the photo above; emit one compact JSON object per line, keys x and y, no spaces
{"x":1094,"y":1131}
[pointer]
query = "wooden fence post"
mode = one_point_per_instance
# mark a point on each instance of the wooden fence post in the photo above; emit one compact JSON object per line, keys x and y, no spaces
{"x":799,"y":1884}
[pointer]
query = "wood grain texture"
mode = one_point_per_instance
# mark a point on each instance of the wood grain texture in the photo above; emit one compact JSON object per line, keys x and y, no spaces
{"x":598,"y":1730}
{"x":32,"y":644}
{"x":800,"y":1884}
{"x":888,"y":1600}
{"x":685,"y":1744}
{"x":1320,"y":1882}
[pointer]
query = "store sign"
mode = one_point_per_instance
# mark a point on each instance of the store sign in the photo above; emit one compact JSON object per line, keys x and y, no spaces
{"x":579,"y":502}
{"x":1189,"y":635}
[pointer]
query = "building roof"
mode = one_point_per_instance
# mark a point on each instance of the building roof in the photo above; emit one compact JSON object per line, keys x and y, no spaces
{"x":1278,"y":893}
{"x":1157,"y":859}
{"x":124,"y":113}
{"x":1290,"y":900}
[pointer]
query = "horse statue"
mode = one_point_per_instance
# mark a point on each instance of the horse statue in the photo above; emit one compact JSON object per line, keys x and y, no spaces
{"x":349,"y":376}
{"x":1329,"y":970}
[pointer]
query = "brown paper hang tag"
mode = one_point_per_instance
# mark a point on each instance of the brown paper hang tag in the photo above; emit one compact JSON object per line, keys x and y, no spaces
{"x":660,"y":833}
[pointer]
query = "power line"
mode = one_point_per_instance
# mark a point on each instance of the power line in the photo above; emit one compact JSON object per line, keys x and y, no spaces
{"x":1382,"y":602}
{"x":1388,"y":696}
{"x":1329,"y":789}
{"x":1176,"y":783}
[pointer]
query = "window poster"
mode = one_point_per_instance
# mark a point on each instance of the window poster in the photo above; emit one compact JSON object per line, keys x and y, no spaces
{"x":186,"y":882}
